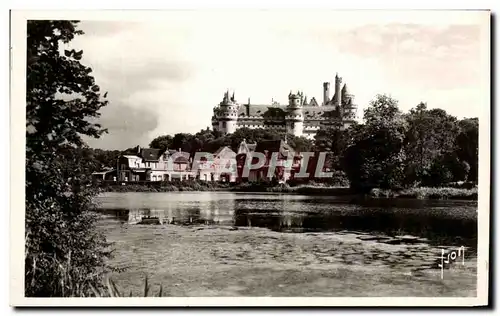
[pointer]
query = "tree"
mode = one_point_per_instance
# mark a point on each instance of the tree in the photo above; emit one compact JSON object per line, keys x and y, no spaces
{"x":431,"y":135}
{"x":300,"y":143}
{"x":252,"y":136}
{"x":467,"y":142}
{"x":334,"y":141}
{"x":202,"y":138}
{"x":182,"y":141}
{"x":106,"y":158}
{"x":162,"y":142}
{"x":440,"y":148}
{"x":376,"y":156}
{"x":62,"y":103}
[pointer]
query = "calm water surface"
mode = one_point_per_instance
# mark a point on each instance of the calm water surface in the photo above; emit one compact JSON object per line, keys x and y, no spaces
{"x":440,"y":223}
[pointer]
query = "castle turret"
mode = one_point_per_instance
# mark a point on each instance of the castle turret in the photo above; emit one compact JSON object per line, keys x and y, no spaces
{"x":337,"y":97}
{"x":326,"y":93}
{"x":294,"y":117}
{"x":349,"y":108}
{"x":227,"y":115}
{"x":346,"y":96}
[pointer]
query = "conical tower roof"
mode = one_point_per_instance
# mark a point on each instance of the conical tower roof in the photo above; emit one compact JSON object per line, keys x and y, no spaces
{"x":345,"y":91}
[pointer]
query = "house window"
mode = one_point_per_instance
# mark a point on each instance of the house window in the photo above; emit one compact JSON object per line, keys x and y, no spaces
{"x":224,"y":124}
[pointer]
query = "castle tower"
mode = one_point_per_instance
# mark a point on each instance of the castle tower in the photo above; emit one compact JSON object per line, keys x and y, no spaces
{"x":326,"y":93}
{"x":228,"y":114}
{"x":349,"y":108}
{"x":337,"y":97}
{"x":346,"y":95}
{"x":294,"y":117}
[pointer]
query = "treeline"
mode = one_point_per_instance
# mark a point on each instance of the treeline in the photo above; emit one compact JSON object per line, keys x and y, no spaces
{"x":395,"y":150}
{"x":390,"y":150}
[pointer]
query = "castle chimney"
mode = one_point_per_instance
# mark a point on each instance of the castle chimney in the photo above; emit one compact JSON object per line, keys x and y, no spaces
{"x":326,"y":92}
{"x":338,"y":83}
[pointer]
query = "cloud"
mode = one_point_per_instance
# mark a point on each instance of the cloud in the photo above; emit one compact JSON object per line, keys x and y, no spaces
{"x":107,"y":28}
{"x":127,"y":127}
{"x":423,"y":56}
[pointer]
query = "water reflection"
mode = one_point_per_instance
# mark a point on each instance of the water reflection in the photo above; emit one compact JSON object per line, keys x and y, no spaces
{"x":208,"y":213}
{"x":441,"y":222}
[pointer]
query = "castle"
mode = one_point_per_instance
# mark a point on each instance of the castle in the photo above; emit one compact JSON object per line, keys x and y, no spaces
{"x":299,"y":117}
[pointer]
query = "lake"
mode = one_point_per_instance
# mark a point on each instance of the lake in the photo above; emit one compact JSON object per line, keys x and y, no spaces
{"x":246,"y":244}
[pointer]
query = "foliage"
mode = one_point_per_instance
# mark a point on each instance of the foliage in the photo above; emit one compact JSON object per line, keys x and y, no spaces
{"x":375,"y":159}
{"x":62,"y":103}
{"x":428,"y":193}
{"x":334,"y":141}
{"x":111,"y":290}
{"x":210,"y":141}
{"x":300,"y":143}
{"x":189,"y":185}
{"x":467,"y":145}
{"x":163,"y":142}
{"x":392,"y":150}
{"x":431,"y":135}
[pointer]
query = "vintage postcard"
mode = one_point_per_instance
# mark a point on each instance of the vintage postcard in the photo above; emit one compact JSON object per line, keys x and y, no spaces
{"x":250,"y":158}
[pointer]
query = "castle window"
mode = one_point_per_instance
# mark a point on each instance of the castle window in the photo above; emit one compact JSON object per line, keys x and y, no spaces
{"x":224,"y":124}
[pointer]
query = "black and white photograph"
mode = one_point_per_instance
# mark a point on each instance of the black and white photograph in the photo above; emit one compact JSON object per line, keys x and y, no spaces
{"x":250,"y":157}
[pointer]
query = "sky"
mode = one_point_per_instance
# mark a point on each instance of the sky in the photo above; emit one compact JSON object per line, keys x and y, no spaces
{"x":165,"y":72}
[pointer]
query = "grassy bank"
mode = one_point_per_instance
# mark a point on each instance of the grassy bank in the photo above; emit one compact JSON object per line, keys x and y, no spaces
{"x":312,"y":189}
{"x":166,"y":187}
{"x":309,"y":189}
{"x":427,"y":193}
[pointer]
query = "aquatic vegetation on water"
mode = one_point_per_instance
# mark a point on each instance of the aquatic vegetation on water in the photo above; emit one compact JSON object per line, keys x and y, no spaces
{"x":428,"y":193}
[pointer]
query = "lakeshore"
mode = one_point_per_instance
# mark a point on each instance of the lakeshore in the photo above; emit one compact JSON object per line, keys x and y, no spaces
{"x":311,"y":189}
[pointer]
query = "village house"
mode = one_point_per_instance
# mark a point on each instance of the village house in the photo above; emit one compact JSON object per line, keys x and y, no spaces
{"x":106,"y":175}
{"x":220,"y":166}
{"x":286,"y":162}
{"x":224,"y":165}
{"x":150,"y":164}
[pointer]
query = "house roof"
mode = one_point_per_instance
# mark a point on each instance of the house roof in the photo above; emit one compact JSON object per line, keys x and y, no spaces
{"x":180,"y":157}
{"x":131,"y":157}
{"x":103,"y":172}
{"x":313,"y":102}
{"x":261,"y":109}
{"x":218,"y":151}
{"x":318,"y":112}
{"x":150,"y":154}
{"x":272,"y":146}
{"x":278,"y":112}
{"x":244,"y":147}
{"x":224,"y":151}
